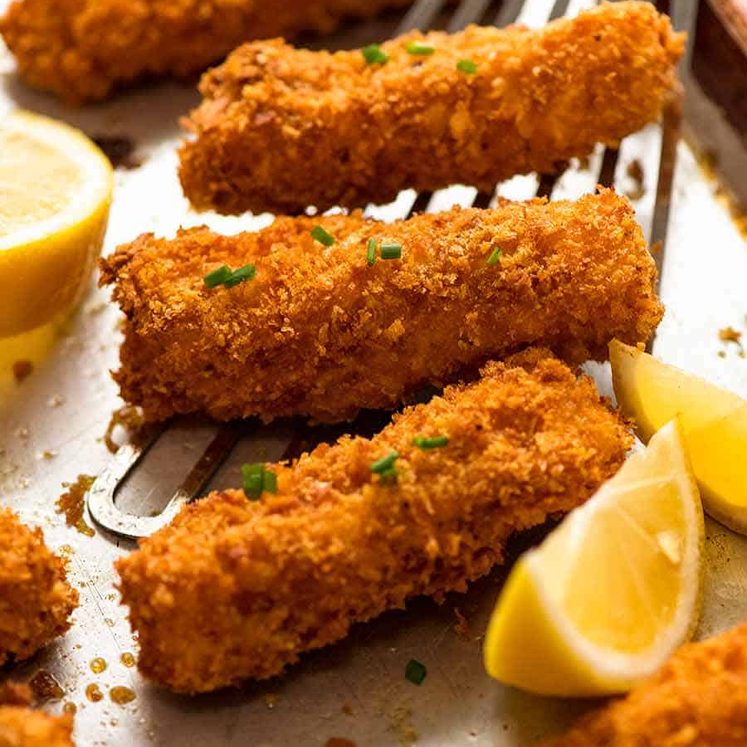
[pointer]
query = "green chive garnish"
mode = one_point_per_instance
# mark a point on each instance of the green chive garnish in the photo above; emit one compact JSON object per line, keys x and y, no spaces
{"x":371,"y":252}
{"x":495,"y":256}
{"x":388,"y":476}
{"x":434,"y":442}
{"x":270,"y":482}
{"x":415,"y":672}
{"x":373,"y":54}
{"x":217,"y":277}
{"x":419,"y":49}
{"x":247,"y":272}
{"x":257,"y":480}
{"x":322,"y":236}
{"x":467,"y":66}
{"x":391,"y":251}
{"x":253,"y":479}
{"x":385,"y":464}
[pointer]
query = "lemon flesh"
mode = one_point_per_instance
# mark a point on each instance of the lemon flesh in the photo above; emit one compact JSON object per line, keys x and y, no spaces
{"x":603,"y":602}
{"x":714,"y":424}
{"x":55,"y":192}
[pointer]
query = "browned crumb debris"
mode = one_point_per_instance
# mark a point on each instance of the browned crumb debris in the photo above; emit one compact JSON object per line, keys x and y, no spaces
{"x":84,"y":49}
{"x":45,"y":687}
{"x":699,"y":699}
{"x":35,"y":597}
{"x":635,"y":171}
{"x":127,"y":417}
{"x":318,"y":332}
{"x":72,"y":504}
{"x":729,"y":334}
{"x":22,"y":370}
{"x":461,"y":626}
{"x":336,"y":545}
{"x":282,"y":128}
{"x":339,"y":742}
{"x":119,"y":150}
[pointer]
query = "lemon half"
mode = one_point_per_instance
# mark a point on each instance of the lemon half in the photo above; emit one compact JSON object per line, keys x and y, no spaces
{"x":714,"y":425}
{"x":55,"y":191}
{"x":607,"y":597}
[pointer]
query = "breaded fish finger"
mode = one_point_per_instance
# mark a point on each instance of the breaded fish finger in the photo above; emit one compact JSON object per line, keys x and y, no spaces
{"x":35,"y":598}
{"x":339,"y":544}
{"x":83,"y":49}
{"x":282,"y":128}
{"x":320,"y":332}
{"x":20,"y":726}
{"x":698,"y":699}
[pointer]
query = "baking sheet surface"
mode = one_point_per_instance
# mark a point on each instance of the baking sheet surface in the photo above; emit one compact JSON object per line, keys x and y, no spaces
{"x":355,"y":690}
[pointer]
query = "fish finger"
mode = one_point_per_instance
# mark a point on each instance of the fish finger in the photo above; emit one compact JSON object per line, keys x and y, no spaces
{"x":326,"y":330}
{"x":82,"y":50}
{"x":237,"y":588}
{"x":280,"y":128}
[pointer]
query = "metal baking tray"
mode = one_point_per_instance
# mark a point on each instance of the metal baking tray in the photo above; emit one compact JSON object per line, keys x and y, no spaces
{"x":52,"y":426}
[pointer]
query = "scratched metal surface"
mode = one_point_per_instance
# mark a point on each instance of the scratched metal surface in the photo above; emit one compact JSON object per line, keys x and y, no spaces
{"x":354,"y":690}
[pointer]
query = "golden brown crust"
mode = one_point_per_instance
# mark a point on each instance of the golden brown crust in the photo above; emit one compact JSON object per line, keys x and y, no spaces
{"x":283,"y":128}
{"x":318,"y":332}
{"x":35,"y":597}
{"x":699,"y":699}
{"x":24,"y":727}
{"x":83,"y":49}
{"x":293,"y":571}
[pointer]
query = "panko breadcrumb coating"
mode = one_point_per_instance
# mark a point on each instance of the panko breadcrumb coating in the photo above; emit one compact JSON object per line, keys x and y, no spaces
{"x":321,"y":333}
{"x":83,"y":49}
{"x":283,"y":128}
{"x":20,"y":726}
{"x":35,"y":597}
{"x":337,"y":545}
{"x":698,"y":699}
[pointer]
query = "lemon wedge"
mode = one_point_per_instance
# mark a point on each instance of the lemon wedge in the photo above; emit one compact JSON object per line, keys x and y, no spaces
{"x":611,"y":592}
{"x":714,"y":425}
{"x":55,"y":192}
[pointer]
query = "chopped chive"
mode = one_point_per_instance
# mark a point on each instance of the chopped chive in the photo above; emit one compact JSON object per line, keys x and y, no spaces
{"x":322,"y":236}
{"x":495,"y":256}
{"x":253,"y":478}
{"x":391,"y":251}
{"x":373,"y":54}
{"x":247,"y":272}
{"x":467,"y":66}
{"x":420,"y":49}
{"x":385,"y":463}
{"x":269,"y":482}
{"x":434,"y":442}
{"x":415,"y":672}
{"x":217,"y":277}
{"x":388,"y":476}
{"x":371,"y":252}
